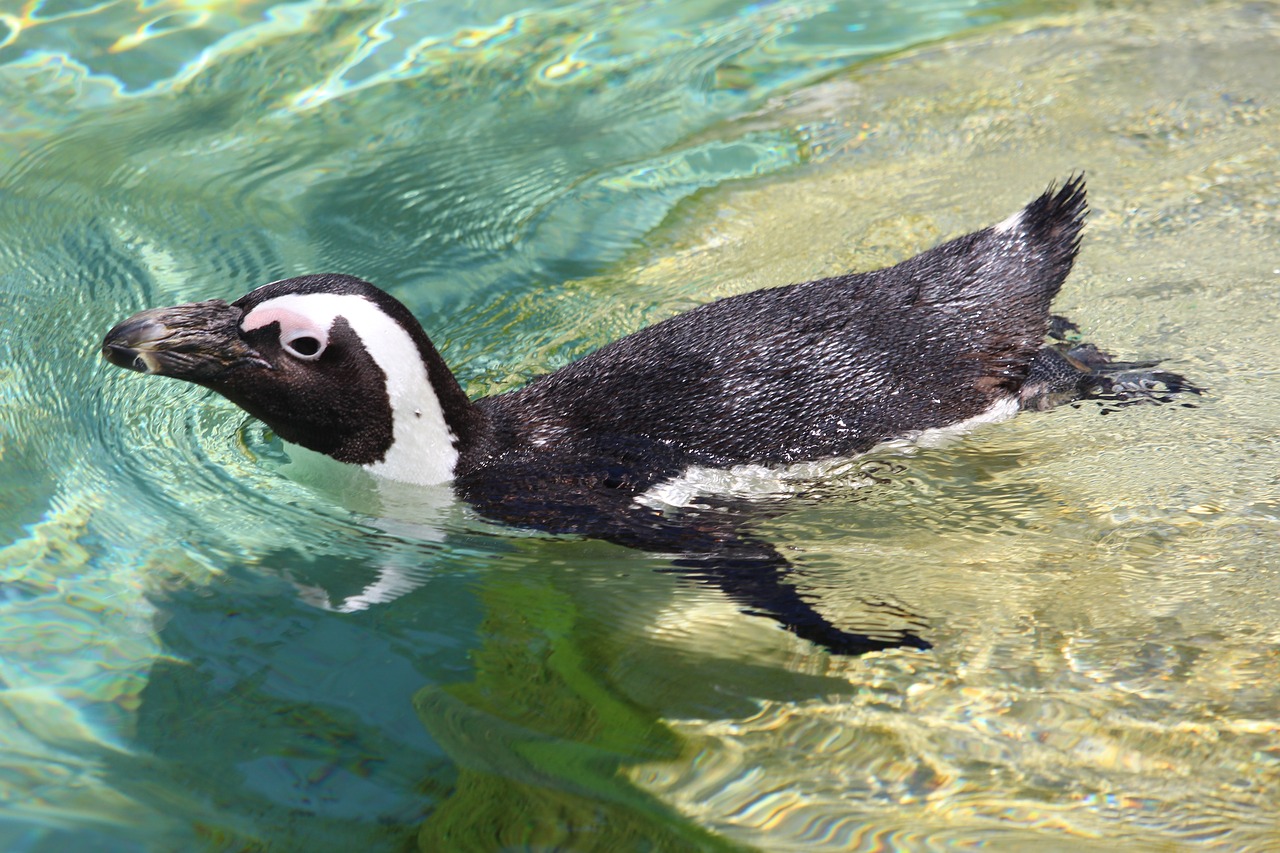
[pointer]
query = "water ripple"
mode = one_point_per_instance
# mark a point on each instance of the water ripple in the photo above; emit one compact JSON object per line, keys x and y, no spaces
{"x":206,"y":638}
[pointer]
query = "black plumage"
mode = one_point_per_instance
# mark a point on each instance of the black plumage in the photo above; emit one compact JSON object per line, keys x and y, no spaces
{"x":821,"y":369}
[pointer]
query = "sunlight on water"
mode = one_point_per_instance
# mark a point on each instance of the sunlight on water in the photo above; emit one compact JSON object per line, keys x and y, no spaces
{"x":213,"y":643}
{"x":1100,"y":590}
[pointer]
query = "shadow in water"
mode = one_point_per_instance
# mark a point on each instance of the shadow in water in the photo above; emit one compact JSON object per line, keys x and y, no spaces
{"x":467,"y":713}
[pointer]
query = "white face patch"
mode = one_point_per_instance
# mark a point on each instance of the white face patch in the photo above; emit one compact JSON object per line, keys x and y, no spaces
{"x":422,"y":448}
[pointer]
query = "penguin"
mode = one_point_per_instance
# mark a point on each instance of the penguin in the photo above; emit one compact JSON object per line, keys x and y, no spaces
{"x":825,"y":369}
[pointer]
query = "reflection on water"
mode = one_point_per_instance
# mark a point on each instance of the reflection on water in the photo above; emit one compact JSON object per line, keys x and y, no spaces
{"x":210,"y":644}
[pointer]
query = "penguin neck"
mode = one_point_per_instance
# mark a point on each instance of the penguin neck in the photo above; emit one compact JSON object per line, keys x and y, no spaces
{"x":433,"y":421}
{"x":423,"y":447}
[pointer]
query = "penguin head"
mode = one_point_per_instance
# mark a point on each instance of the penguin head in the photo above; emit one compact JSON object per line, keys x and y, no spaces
{"x":329,"y":362}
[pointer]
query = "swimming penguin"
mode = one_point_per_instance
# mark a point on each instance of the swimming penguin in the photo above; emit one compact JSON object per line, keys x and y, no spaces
{"x":830,"y":368}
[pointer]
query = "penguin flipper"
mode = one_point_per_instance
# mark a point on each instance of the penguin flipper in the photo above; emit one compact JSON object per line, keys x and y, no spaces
{"x":754,"y":576}
{"x":595,"y":496}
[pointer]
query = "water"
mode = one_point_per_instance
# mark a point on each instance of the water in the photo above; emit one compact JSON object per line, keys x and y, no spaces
{"x":205,"y":647}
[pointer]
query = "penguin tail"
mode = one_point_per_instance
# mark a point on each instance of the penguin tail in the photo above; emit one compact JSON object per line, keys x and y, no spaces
{"x":1057,"y":216}
{"x":1048,"y":229}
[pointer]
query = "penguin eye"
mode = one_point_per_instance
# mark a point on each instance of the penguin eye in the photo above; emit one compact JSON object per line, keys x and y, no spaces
{"x":302,"y":345}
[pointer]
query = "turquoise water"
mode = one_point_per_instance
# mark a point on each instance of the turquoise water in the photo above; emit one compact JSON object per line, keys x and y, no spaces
{"x":207,"y":646}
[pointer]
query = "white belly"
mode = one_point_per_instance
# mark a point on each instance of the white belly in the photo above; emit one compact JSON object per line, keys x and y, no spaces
{"x":764,"y":481}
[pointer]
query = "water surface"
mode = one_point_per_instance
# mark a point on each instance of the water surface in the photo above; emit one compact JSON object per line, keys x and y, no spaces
{"x":207,"y":648}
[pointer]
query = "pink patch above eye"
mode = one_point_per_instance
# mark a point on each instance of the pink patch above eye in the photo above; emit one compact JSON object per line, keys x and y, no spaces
{"x":292,"y":324}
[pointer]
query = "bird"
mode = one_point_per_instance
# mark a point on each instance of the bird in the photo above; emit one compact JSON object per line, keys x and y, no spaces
{"x":959,"y":335}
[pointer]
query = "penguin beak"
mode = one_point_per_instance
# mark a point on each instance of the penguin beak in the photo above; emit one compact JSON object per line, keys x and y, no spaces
{"x":199,"y":342}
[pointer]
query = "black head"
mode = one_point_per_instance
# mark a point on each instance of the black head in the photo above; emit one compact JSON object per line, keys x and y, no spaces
{"x":329,"y":362}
